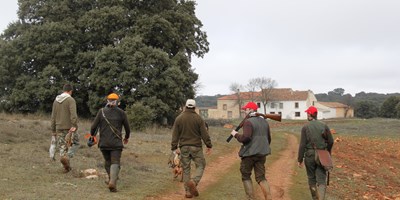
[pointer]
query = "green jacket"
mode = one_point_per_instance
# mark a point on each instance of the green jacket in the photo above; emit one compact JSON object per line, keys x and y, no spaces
{"x":189,"y":130}
{"x":63,"y":115}
{"x":314,"y":134}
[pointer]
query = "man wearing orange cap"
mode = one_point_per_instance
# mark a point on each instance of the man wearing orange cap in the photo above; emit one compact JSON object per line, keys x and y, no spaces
{"x":256,"y":140}
{"x":109,"y":121}
{"x":314,"y":135}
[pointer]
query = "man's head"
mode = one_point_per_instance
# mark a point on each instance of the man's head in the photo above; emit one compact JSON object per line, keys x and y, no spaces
{"x":67,"y":88}
{"x":251,"y":105}
{"x":190,"y":103}
{"x":112,"y":99}
{"x":312,"y":112}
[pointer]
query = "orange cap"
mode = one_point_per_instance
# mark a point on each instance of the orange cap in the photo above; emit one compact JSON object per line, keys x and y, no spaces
{"x":113,"y":96}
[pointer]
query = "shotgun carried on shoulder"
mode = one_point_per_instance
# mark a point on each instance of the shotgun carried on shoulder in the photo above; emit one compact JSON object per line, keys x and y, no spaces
{"x":274,"y":117}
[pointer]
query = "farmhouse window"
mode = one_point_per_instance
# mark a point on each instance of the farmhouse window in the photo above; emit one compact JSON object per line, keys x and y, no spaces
{"x":204,"y":114}
{"x":296,"y":105}
{"x":225,"y":107}
{"x":229,"y":114}
{"x":297,"y":114}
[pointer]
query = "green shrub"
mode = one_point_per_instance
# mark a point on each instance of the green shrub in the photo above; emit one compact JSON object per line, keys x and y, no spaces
{"x":140,"y":116}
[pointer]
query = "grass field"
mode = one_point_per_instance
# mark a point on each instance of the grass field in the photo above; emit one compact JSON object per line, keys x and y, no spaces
{"x":366,"y":158}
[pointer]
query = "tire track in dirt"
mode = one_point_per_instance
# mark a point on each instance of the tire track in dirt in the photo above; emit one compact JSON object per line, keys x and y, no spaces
{"x":279,"y":174}
{"x":279,"y":183}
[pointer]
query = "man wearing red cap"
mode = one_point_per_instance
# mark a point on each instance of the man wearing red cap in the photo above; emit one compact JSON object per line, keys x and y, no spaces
{"x":256,"y":140}
{"x":314,"y":135}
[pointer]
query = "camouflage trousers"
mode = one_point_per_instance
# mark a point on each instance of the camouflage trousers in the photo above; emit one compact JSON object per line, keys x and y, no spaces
{"x":188,"y":154}
{"x":65,"y":147}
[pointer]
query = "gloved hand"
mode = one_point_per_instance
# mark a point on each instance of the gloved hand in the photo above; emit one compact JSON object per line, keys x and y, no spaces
{"x":91,"y":141}
{"x":233,"y":133}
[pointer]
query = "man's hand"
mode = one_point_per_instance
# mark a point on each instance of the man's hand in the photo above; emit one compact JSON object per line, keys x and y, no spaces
{"x":208,"y":151}
{"x":177,"y":151}
{"x":126,"y":140}
{"x":91,"y":141}
{"x":233,"y":133}
{"x":72,"y":129}
{"x":300,"y":164}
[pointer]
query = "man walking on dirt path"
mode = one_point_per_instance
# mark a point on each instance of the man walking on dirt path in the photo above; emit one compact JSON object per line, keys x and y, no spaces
{"x":109,"y":121}
{"x":64,"y":122}
{"x":314,"y":135}
{"x":256,"y":140}
{"x":188,"y":133}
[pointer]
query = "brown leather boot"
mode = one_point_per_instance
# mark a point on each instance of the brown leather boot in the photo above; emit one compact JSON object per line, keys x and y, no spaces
{"x":65,"y":162}
{"x":192,"y":188}
{"x":188,"y":194}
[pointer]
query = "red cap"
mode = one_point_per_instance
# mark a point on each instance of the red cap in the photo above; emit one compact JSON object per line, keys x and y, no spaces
{"x":311,"y":110}
{"x":250,"y":105}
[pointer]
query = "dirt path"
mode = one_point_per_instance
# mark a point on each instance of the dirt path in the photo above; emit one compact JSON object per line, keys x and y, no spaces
{"x":278,"y":173}
{"x":279,"y":184}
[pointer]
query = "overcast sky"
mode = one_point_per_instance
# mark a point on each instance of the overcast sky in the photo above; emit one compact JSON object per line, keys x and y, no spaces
{"x":316,"y":45}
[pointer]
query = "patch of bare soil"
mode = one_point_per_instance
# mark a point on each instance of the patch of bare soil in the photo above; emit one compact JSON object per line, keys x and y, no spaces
{"x":366,"y":168}
{"x":214,"y":171}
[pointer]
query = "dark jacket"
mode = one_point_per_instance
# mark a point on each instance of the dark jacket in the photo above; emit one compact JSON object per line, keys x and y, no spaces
{"x":314,"y":134}
{"x":108,"y":139}
{"x":256,"y":138}
{"x":189,"y":129}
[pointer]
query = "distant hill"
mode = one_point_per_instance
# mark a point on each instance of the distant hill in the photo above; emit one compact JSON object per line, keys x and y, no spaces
{"x":207,"y":101}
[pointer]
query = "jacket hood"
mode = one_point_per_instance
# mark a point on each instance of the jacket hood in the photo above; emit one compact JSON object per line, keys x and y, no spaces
{"x":60,"y":98}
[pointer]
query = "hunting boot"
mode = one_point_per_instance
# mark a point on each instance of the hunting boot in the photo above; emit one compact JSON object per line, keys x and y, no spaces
{"x":192,"y":188}
{"x":65,"y":162}
{"x":114,"y":171}
{"x":265,"y":189}
{"x":248,"y":188}
{"x":188,"y":194}
{"x":321,"y":192}
{"x":313,"y":190}
{"x":107,"y":167}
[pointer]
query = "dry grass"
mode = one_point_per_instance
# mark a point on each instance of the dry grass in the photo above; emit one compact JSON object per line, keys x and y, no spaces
{"x":28,"y":173}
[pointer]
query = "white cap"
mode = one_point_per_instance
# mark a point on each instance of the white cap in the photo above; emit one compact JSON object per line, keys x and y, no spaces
{"x":190,"y":103}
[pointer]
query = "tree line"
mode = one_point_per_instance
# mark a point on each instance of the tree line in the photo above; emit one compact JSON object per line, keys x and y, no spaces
{"x":366,"y":105}
{"x":141,"y":50}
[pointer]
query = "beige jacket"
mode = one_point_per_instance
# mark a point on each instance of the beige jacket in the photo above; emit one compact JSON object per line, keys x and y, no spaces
{"x":63,"y":115}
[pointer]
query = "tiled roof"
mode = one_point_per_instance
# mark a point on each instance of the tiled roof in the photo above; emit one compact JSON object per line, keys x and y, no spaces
{"x":333,"y":104}
{"x":277,"y":94}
